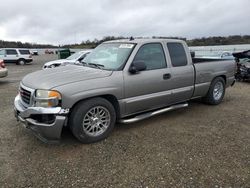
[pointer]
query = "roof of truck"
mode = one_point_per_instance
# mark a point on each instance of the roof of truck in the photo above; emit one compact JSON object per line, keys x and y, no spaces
{"x":137,"y":41}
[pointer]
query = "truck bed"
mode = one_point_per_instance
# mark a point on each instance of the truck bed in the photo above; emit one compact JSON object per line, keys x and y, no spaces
{"x":206,"y":71}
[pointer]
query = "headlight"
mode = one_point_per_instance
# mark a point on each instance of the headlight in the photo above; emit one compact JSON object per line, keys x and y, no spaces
{"x":47,"y":98}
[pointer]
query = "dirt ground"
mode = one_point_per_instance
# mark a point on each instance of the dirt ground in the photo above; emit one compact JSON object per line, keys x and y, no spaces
{"x":200,"y":146}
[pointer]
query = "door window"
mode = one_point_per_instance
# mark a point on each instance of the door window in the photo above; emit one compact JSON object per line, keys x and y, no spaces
{"x":152,"y":55}
{"x":11,"y":52}
{"x":24,"y":52}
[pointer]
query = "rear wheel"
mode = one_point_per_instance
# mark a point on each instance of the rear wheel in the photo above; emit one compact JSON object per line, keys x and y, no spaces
{"x":21,"y":62}
{"x":92,"y":120}
{"x":216,"y":92}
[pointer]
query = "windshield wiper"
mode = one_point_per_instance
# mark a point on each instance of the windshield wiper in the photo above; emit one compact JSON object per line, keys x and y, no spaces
{"x":100,"y":66}
{"x":83,"y":63}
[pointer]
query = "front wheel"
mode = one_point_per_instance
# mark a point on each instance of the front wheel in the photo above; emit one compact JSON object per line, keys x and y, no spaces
{"x":216,"y":92}
{"x":92,"y":120}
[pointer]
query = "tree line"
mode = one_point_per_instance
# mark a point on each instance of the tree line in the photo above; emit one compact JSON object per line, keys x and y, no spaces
{"x":211,"y":41}
{"x":18,"y":44}
{"x":204,"y":41}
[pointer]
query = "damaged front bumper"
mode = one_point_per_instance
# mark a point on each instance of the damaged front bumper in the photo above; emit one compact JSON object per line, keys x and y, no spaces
{"x":45,"y":123}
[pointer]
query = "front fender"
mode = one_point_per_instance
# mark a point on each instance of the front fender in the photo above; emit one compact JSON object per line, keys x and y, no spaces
{"x":77,"y":91}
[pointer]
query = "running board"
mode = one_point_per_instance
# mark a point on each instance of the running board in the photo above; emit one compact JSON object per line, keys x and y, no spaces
{"x":150,"y":114}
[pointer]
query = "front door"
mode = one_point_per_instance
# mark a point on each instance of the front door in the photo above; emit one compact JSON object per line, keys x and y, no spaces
{"x":148,"y":89}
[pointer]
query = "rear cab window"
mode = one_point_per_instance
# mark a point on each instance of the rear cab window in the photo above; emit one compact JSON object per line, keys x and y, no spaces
{"x":24,"y":52}
{"x":177,"y":54}
{"x":11,"y":52}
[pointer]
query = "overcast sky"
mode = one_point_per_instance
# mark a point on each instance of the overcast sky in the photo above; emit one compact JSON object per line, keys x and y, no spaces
{"x":70,"y":21}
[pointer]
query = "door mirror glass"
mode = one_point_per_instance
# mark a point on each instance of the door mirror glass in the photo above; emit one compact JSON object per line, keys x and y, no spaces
{"x":137,"y":66}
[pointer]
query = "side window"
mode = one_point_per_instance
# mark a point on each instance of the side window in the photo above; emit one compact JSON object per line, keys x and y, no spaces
{"x":177,"y":54}
{"x":11,"y":52}
{"x":24,"y":52}
{"x":152,"y":55}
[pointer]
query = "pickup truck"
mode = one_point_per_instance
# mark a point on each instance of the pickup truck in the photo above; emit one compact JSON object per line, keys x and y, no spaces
{"x":120,"y":81}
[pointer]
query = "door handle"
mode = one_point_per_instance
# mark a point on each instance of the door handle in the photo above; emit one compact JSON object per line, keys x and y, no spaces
{"x":166,"y":76}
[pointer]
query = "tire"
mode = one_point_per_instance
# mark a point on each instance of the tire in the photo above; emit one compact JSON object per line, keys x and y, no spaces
{"x":52,"y":66}
{"x":21,"y":62}
{"x":92,"y":120}
{"x":216,"y":92}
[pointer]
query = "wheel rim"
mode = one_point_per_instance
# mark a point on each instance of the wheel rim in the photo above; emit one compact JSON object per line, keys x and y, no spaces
{"x":218,"y":91}
{"x":21,"y":62}
{"x":96,"y":121}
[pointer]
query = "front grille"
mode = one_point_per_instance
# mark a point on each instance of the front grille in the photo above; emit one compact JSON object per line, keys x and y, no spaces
{"x":25,"y":95}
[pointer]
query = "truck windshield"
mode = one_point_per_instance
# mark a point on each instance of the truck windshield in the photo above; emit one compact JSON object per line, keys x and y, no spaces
{"x":111,"y":56}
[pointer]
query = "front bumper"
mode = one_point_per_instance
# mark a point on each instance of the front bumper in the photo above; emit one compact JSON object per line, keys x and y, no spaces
{"x":48,"y":131}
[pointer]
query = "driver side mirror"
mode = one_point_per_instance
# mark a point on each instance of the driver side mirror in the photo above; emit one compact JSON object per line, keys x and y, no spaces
{"x":137,"y":66}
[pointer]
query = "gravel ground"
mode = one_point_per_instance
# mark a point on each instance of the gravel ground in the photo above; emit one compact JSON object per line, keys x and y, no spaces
{"x":200,"y":146}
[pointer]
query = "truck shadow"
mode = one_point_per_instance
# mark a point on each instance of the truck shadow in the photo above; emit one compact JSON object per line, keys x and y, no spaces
{"x":197,"y":103}
{"x":68,"y":138}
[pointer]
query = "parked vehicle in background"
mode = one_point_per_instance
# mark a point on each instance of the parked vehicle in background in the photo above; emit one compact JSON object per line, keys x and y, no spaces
{"x":49,"y":52}
{"x":75,"y":58}
{"x":34,"y":52}
{"x":222,"y":56}
{"x":3,"y":69}
{"x":226,"y":55}
{"x":14,"y":55}
{"x":120,"y":81}
{"x":243,"y":65}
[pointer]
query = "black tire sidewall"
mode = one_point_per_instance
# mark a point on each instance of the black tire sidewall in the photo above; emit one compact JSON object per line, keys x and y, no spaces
{"x":210,"y":97}
{"x":78,"y":113}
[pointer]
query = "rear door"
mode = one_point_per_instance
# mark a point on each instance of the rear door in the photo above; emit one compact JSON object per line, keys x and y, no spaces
{"x":182,"y":72}
{"x":11,"y":55}
{"x":148,"y":89}
{"x":25,"y":54}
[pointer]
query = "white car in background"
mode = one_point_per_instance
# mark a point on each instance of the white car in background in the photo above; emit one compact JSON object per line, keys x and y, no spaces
{"x":20,"y":56}
{"x":75,"y":58}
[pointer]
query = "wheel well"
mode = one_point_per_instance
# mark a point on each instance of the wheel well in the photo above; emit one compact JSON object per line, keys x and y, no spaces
{"x":21,"y":59}
{"x":224,"y":77}
{"x":111,"y":98}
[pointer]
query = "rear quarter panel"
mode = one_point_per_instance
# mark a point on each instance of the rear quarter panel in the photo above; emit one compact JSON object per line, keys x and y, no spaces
{"x":207,"y":71}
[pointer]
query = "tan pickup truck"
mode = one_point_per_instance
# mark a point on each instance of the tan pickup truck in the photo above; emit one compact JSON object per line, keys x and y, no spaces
{"x":119,"y":81}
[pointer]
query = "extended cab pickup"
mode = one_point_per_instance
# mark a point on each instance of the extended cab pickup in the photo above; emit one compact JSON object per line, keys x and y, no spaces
{"x":120,"y":81}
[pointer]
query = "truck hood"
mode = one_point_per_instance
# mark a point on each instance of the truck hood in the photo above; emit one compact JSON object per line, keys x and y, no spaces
{"x":50,"y":78}
{"x":59,"y":61}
